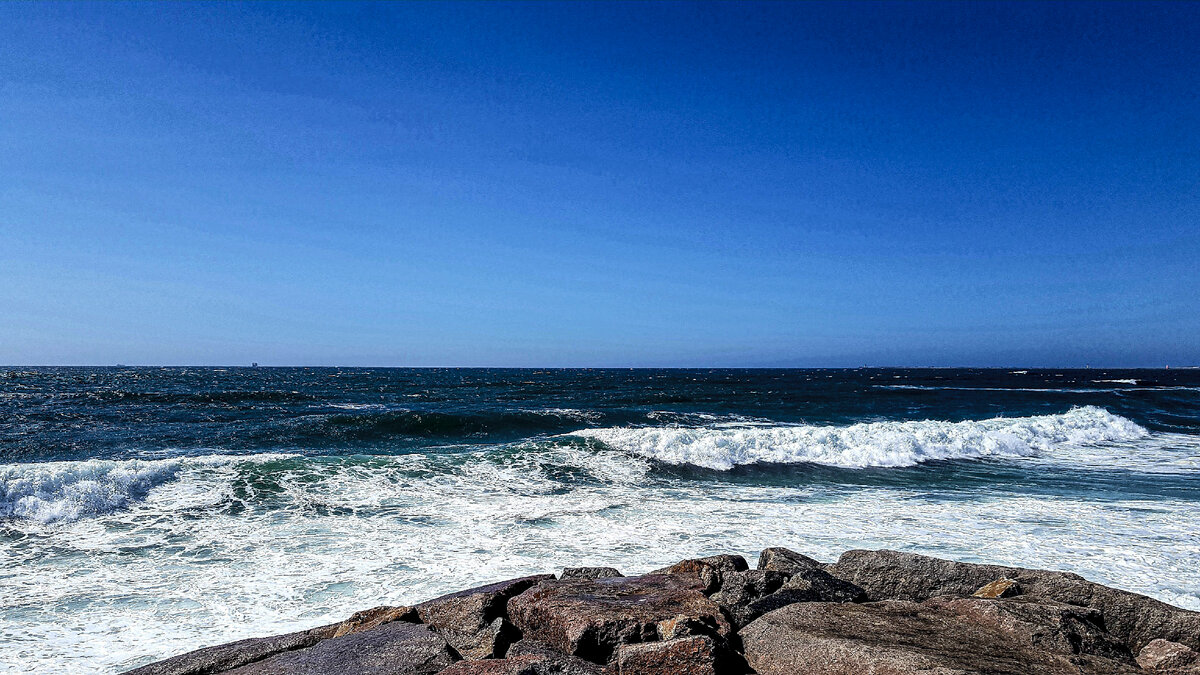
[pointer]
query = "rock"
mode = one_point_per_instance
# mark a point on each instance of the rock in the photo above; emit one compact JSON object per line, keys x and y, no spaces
{"x":682,"y":656}
{"x":810,"y":585}
{"x":551,"y":661}
{"x":233,"y":654}
{"x":373,"y":618}
{"x":538,"y":661}
{"x":590,"y":618}
{"x":1164,"y":656}
{"x":1000,"y":588}
{"x":396,"y":648}
{"x":706,"y":573}
{"x":740,"y":589}
{"x":474,"y":621}
{"x":781,"y":559}
{"x":590,"y":573}
{"x":1132,"y":618}
{"x":901,"y":637}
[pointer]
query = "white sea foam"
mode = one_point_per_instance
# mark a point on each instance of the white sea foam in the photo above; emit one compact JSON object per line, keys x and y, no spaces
{"x":1117,"y":381}
{"x":54,"y":491}
{"x":879,"y":444}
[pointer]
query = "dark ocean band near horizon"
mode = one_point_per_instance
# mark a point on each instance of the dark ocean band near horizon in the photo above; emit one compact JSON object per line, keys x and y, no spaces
{"x":166,"y":508}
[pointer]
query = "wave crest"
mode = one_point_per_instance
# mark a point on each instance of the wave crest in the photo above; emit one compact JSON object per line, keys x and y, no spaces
{"x":873,"y":444}
{"x":66,"y":491}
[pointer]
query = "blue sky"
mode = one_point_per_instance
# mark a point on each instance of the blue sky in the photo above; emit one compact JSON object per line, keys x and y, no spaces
{"x":600,"y":185}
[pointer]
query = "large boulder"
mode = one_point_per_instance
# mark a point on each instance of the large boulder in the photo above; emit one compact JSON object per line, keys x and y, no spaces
{"x":1132,"y":618}
{"x":220,"y":658}
{"x":526,"y":658}
{"x":396,"y":648}
{"x":809,"y":585}
{"x":779,"y":559}
{"x":707,"y":574}
{"x":1164,"y":656}
{"x":475,"y":621}
{"x":590,"y":618}
{"x":903,"y":637}
{"x":682,"y":656}
{"x":741,"y":589}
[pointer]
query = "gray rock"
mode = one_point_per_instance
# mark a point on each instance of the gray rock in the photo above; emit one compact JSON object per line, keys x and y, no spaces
{"x":589,"y":573}
{"x":810,"y":585}
{"x":740,"y":589}
{"x":396,"y":648}
{"x":474,"y":621}
{"x":1132,"y":618}
{"x":526,"y":658}
{"x":781,"y":559}
{"x":902,"y":637}
{"x":221,"y":658}
{"x":590,"y":618}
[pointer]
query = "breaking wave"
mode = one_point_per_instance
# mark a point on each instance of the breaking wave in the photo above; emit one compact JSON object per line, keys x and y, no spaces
{"x":65,"y":491}
{"x":874,"y":444}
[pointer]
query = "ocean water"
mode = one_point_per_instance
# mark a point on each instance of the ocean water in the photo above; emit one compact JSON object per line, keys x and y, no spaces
{"x":150,"y":511}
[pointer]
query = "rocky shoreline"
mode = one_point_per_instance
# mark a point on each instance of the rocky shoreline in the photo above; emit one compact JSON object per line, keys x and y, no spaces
{"x":879,"y":612}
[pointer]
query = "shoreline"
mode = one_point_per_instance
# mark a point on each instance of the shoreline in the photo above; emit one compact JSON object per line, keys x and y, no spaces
{"x":871,"y":611}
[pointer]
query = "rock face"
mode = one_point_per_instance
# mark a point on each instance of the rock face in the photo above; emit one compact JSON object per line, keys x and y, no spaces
{"x":1132,"y":618}
{"x":475,"y":621}
{"x":897,"y":636}
{"x":781,"y":559}
{"x":1164,"y":656}
{"x":396,"y":648}
{"x":590,"y":618}
{"x":875,"y":612}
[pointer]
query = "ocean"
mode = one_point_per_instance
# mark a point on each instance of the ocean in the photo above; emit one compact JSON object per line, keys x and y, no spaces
{"x":149,"y":511}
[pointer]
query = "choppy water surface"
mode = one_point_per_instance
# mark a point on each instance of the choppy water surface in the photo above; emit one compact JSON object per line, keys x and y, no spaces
{"x":148,"y":511}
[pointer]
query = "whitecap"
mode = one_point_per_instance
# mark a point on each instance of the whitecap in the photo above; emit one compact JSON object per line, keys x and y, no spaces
{"x":874,"y":444}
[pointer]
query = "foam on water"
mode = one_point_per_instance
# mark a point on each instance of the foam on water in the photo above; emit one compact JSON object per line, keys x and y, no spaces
{"x":54,"y":491}
{"x":874,"y":444}
{"x":234,"y":547}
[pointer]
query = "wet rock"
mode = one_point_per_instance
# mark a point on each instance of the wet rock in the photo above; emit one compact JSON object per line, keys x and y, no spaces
{"x":706,"y":573}
{"x":781,"y":559}
{"x":474,"y":621}
{"x":1134,"y":619}
{"x":396,"y":648}
{"x":1000,"y":588}
{"x":224,"y":657}
{"x":740,"y":589}
{"x":895,"y":637}
{"x":1164,"y":656}
{"x":590,"y":573}
{"x":590,"y":618}
{"x":683,"y":656}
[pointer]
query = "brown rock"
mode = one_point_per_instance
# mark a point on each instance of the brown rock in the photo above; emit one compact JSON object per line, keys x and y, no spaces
{"x":590,"y":618}
{"x":1164,"y":656}
{"x":901,"y":637}
{"x":474,"y":621}
{"x":706,"y":573}
{"x":551,"y":661}
{"x":396,"y":648}
{"x":525,"y":664}
{"x":373,"y":618}
{"x":781,"y":559}
{"x":589,"y":573}
{"x":683,"y":656}
{"x":1132,"y":618}
{"x":1000,"y":588}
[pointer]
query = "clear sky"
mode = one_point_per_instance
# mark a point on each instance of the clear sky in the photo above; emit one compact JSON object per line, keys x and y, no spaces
{"x":600,"y":185}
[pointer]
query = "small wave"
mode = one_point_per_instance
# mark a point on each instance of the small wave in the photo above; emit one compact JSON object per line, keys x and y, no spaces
{"x":66,"y":491}
{"x":1117,"y":381}
{"x":874,"y":444}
